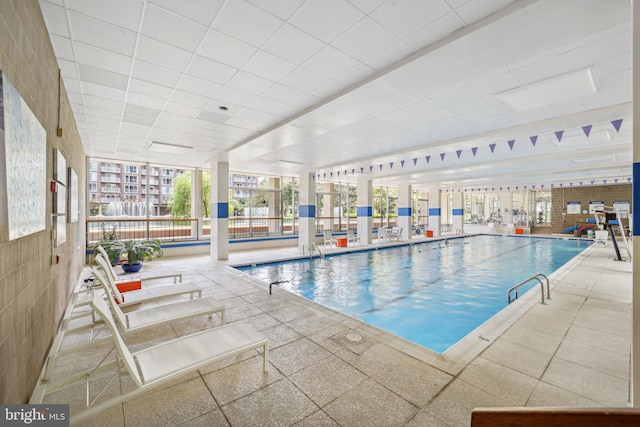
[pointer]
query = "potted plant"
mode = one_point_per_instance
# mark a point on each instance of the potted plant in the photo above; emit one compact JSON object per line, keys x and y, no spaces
{"x":109,"y":240}
{"x":137,"y":251}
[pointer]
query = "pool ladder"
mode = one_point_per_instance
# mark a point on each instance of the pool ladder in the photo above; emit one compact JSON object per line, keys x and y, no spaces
{"x":524,"y":282}
{"x":311,"y":249}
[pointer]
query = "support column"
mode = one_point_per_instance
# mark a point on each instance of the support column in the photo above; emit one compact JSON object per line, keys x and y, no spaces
{"x":275,"y":207}
{"x":435,"y":199}
{"x":405,"y":210}
{"x":220,"y":210}
{"x":458,"y":211}
{"x":635,"y":322}
{"x":328,"y":200}
{"x":365,"y":211}
{"x":506,"y":213}
{"x":307,"y":211}
{"x":196,"y":202}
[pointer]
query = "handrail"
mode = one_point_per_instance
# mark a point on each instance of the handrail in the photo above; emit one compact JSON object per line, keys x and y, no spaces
{"x":534,"y":277}
{"x":311,"y":248}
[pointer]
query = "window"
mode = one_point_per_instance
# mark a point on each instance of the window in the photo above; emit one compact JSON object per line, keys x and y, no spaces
{"x":168,"y":172}
{"x":131,"y":178}
{"x":167,"y":191}
{"x":93,"y":176}
{"x":130,"y":168}
{"x":167,"y":181}
{"x":93,"y":186}
{"x":130,"y":188}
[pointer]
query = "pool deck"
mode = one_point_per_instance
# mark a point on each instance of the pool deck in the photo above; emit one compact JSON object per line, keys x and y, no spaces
{"x":327,"y":369}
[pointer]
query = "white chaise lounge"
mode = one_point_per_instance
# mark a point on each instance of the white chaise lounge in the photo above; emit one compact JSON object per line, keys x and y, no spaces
{"x":160,"y":364}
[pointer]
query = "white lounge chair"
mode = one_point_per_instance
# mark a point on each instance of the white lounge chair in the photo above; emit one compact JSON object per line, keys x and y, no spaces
{"x":160,"y":364}
{"x":351,"y":237}
{"x":140,"y":319}
{"x":329,"y":239}
{"x":177,"y":277}
{"x":146,"y":294}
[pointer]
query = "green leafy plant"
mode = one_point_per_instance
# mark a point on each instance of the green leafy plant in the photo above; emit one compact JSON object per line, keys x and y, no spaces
{"x":139,"y":250}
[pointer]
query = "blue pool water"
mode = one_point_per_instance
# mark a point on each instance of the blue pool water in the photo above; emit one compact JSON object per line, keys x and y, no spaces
{"x":431,"y":293}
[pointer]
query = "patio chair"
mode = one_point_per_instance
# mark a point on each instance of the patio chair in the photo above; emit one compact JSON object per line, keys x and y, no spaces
{"x":351,"y":237}
{"x":177,"y":277}
{"x":154,"y":366}
{"x":382,"y":234}
{"x":329,"y":239}
{"x":141,"y":295}
{"x":395,"y":233}
{"x":140,"y":319}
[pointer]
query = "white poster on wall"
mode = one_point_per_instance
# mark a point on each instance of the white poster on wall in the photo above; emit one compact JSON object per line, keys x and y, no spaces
{"x":574,"y":208}
{"x":623,"y":207}
{"x":596,"y":205}
{"x":23,"y":166}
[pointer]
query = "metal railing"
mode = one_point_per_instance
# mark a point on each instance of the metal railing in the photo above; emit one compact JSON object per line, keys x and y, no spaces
{"x":524,"y":282}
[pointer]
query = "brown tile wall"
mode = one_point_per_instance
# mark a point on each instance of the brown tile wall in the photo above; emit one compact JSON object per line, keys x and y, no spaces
{"x":584,"y":194}
{"x":33,"y":291}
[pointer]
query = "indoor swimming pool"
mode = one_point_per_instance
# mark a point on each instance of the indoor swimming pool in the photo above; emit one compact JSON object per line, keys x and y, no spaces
{"x":432,"y":293}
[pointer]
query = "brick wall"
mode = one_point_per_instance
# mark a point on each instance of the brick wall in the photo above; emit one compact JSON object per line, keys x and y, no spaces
{"x":584,"y":194}
{"x":33,"y":292}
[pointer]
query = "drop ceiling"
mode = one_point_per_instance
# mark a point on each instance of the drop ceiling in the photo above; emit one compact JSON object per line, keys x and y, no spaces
{"x":467,"y":94}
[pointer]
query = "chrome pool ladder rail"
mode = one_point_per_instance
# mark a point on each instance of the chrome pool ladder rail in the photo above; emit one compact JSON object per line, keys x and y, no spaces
{"x":524,"y":282}
{"x":311,"y":249}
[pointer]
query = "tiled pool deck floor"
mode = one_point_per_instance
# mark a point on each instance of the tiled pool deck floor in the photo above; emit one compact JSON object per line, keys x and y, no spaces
{"x":572,"y":351}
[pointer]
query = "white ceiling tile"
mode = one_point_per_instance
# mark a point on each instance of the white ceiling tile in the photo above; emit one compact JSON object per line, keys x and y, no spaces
{"x":453,"y":96}
{"x":250,"y":83}
{"x":326,"y":20}
{"x":71,"y":85}
{"x":468,"y":106}
{"x":234,"y":96}
{"x":283,"y":9}
{"x":190,"y":99}
{"x":364,"y":40}
{"x":200,"y":11}
{"x":155,"y":74}
{"x":247,"y":23}
{"x":103,"y":91}
{"x":367,"y":6}
{"x":154,"y":90}
{"x":541,"y":70}
{"x":172,"y":121}
{"x":611,"y":47}
{"x":434,"y":32}
{"x":330,"y":63}
{"x":182,"y":109}
{"x":109,"y":61}
{"x":101,"y":34}
{"x":284,"y":94}
{"x":293,"y":45}
{"x":405,"y":17}
{"x":198,"y":86}
{"x":273,"y":107}
{"x":494,"y":84}
{"x":102,"y":77}
{"x":226,"y":50}
{"x":162,"y":54}
{"x":123,"y":13}
{"x":304,"y":80}
{"x":171,"y":29}
{"x":62,"y":47}
{"x":209,"y":70}
{"x":245,"y":123}
{"x":103,"y":112}
{"x":269,"y":66}
{"x":475,"y":10}
{"x":328,"y":89}
{"x":145,"y":101}
{"x":306,"y":101}
{"x":389,"y":56}
{"x":68,"y":69}
{"x":356,"y":74}
{"x":614,"y":65}
{"x":55,"y":18}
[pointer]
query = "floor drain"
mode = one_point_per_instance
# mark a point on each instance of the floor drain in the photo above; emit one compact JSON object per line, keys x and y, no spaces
{"x":354,"y":337}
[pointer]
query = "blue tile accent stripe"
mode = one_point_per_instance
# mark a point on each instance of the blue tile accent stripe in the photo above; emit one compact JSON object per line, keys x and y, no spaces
{"x":458,"y":212}
{"x":365,"y":211}
{"x":636,"y":199}
{"x":404,"y":211}
{"x":434,"y":211}
{"x":307,"y":211}
{"x":221,"y":210}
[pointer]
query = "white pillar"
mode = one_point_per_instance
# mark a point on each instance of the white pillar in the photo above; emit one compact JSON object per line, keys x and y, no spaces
{"x":365,"y":210}
{"x":435,"y":212}
{"x":220,"y":210}
{"x":196,"y":202}
{"x":307,"y":211}
{"x":458,"y":211}
{"x":635,"y":323}
{"x":405,"y":211}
